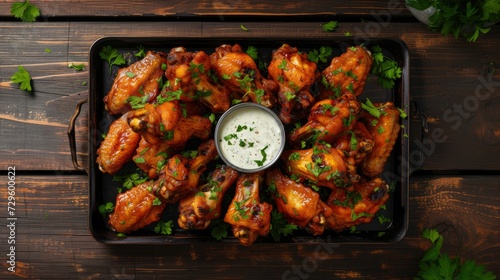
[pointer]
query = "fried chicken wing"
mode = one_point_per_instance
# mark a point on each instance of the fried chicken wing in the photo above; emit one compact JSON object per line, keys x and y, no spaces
{"x":198,"y":209}
{"x":165,"y":123}
{"x":346,"y":73}
{"x":118,"y":147}
{"x":295,"y":75}
{"x":249,"y":217}
{"x":385,"y":131}
{"x":139,"y":79}
{"x":357,"y":204}
{"x":299,"y":204}
{"x":322,"y":165}
{"x":136,"y":208}
{"x":180,"y":175}
{"x":239,"y":73}
{"x":191,"y":73}
{"x":328,"y":119}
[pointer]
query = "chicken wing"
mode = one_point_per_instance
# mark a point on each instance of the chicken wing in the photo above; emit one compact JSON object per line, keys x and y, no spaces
{"x":295,"y":75}
{"x":239,"y":73}
{"x":328,"y":119}
{"x":166,"y":123}
{"x":180,"y":175}
{"x":140,"y":79}
{"x":346,"y":73}
{"x":248,"y":216}
{"x":385,"y":131}
{"x":136,"y":208}
{"x":357,"y":204}
{"x":299,"y":204}
{"x":191,"y":74}
{"x":322,"y":165}
{"x":118,"y":147}
{"x":150,"y":158}
{"x":198,"y":209}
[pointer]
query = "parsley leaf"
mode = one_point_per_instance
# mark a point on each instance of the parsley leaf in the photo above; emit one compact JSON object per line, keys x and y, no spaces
{"x":23,"y":78}
{"x":77,"y":67}
{"x":279,"y":226}
{"x":321,"y":55}
{"x":329,"y":26}
{"x":219,"y":229}
{"x":252,"y":52}
{"x":164,"y":227}
{"x":25,"y":11}
{"x":112,"y":56}
{"x":106,"y":208}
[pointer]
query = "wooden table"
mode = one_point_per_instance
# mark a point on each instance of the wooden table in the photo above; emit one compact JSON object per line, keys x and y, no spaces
{"x":452,"y":82}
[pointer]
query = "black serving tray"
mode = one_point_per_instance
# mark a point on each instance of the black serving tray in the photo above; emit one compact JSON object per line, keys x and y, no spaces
{"x":103,"y":189}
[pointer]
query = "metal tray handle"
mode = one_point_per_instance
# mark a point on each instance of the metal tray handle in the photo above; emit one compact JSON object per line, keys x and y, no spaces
{"x":72,"y":137}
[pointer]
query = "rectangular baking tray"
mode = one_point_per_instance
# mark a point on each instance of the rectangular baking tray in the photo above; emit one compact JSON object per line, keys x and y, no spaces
{"x":103,"y":189}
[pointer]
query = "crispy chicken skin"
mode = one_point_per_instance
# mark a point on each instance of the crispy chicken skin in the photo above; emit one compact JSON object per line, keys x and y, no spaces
{"x":239,"y":73}
{"x":180,"y":175}
{"x":192,"y":74}
{"x":355,"y":144}
{"x":328,"y":119}
{"x":346,"y":73}
{"x":136,"y":208}
{"x":295,"y":75}
{"x":299,"y":204}
{"x":151,"y":158}
{"x":139,"y":79}
{"x":118,"y":147}
{"x":385,"y":131}
{"x":322,"y":165}
{"x":357,"y":204}
{"x":199,"y":208}
{"x":165,"y":123}
{"x":249,"y":217}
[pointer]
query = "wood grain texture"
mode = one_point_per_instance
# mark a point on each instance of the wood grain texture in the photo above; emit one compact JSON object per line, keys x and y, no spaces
{"x":53,"y":241}
{"x":220,"y":9}
{"x":445,"y":76}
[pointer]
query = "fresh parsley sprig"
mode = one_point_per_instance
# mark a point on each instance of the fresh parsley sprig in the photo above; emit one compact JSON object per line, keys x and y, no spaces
{"x":386,"y":69}
{"x":437,"y":265}
{"x":112,"y":56}
{"x":164,"y":227}
{"x":279,"y":226}
{"x":461,"y":18}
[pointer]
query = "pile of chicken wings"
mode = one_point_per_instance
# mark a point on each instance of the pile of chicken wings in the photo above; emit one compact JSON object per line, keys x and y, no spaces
{"x":163,"y":101}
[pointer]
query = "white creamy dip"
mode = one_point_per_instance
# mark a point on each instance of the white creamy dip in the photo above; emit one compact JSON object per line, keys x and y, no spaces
{"x":249,"y":137}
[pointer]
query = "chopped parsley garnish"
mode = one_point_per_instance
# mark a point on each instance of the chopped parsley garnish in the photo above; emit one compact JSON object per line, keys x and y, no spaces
{"x":25,"y":11}
{"x":23,"y":78}
{"x":112,"y":56}
{"x":164,"y":227}
{"x":329,"y":26}
{"x":264,"y":156}
{"x":320,"y":55}
{"x":386,"y":69}
{"x":106,"y":208}
{"x":279,"y":226}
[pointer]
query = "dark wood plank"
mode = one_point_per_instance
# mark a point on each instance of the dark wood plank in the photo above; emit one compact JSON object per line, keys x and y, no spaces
{"x":52,"y":239}
{"x":445,"y":73}
{"x":218,"y":9}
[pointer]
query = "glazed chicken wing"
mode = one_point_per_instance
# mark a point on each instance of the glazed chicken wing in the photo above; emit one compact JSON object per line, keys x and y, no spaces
{"x":248,"y":216}
{"x":239,"y":73}
{"x":191,"y":74}
{"x":322,"y":165}
{"x":384,"y":131}
{"x":299,"y":204}
{"x":118,"y":147}
{"x":295,"y":75}
{"x":165,"y":123}
{"x":356,"y":205}
{"x":137,"y":80}
{"x":328,"y":119}
{"x":180,"y":175}
{"x":347,"y":73}
{"x":198,"y":209}
{"x":136,"y":208}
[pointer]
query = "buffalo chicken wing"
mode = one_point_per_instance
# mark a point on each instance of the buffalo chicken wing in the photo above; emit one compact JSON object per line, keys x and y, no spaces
{"x":198,"y":209}
{"x":140,"y":80}
{"x":249,"y":217}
